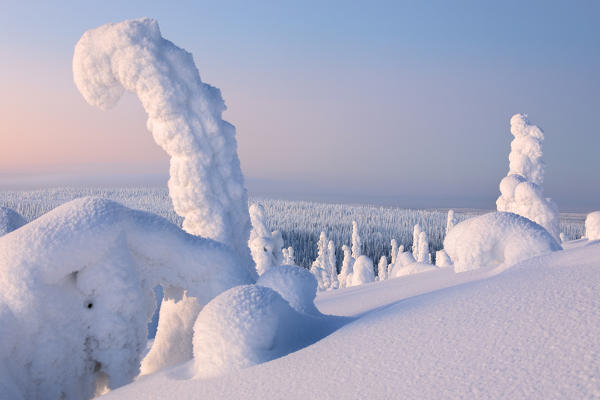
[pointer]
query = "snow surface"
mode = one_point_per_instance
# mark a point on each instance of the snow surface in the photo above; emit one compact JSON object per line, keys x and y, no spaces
{"x":76,"y":294}
{"x":9,"y":220}
{"x":496,"y":238}
{"x":528,"y":332}
{"x":592,"y":226}
{"x":296,"y":285}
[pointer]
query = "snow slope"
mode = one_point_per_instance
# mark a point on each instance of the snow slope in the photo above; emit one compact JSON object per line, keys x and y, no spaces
{"x":528,"y":332}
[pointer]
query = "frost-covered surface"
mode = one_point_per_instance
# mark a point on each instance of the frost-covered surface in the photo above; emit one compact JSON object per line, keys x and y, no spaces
{"x":592,"y":226}
{"x":9,"y":220}
{"x":249,"y":325}
{"x":265,"y":246}
{"x":496,"y":238}
{"x":529,"y":332}
{"x":76,"y":294}
{"x":206,"y":184}
{"x":521,"y":190}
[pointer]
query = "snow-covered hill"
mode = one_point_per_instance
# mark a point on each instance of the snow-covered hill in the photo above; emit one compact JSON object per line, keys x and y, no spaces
{"x":527,"y":332}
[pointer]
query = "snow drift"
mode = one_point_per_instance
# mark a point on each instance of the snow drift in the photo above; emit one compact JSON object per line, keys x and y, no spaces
{"x":521,"y":190}
{"x":76,"y":294}
{"x":496,"y":238}
{"x":9,"y":220}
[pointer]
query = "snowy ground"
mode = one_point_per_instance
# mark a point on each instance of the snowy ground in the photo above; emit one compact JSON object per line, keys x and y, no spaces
{"x":527,"y":332}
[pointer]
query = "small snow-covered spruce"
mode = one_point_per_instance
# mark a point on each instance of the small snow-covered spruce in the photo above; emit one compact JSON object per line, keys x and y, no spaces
{"x":423,"y":255}
{"x":362,"y":271}
{"x":382,"y":268}
{"x":288,"y":256}
{"x":442,"y":259}
{"x":332,"y":267}
{"x":394,"y":251}
{"x":521,"y":190}
{"x":592,"y":226}
{"x":346,"y":272}
{"x":450,"y":221}
{"x":391,"y":265}
{"x":320,"y":266}
{"x":356,"y":243}
{"x":415,"y":244}
{"x":265,"y":246}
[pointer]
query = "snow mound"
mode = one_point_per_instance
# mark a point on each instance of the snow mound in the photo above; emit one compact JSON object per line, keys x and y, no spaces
{"x":249,"y":325}
{"x":265,"y":246}
{"x":10,"y":220}
{"x":496,"y":238}
{"x":412,"y":268}
{"x":362,"y":271}
{"x":76,"y":293}
{"x":296,"y":285}
{"x":592,"y":226}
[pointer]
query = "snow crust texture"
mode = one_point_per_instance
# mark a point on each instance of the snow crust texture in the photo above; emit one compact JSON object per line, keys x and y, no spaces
{"x":9,"y":220}
{"x":184,"y":115}
{"x":521,"y":190}
{"x":592,"y":226}
{"x":76,"y":294}
{"x":496,"y":238}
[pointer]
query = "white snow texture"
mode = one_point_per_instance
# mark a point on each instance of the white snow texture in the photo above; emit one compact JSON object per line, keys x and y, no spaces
{"x":265,"y":246}
{"x":521,"y":190}
{"x":592,"y":226}
{"x":494,"y":239}
{"x":76,"y":294}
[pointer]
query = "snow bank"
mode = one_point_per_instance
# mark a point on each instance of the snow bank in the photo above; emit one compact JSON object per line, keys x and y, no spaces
{"x":592,"y":226}
{"x":496,"y":238}
{"x":362,"y":271}
{"x":9,"y":220}
{"x":521,"y":190}
{"x":412,"y":268}
{"x":296,"y":285}
{"x":249,"y":325}
{"x":76,"y":293}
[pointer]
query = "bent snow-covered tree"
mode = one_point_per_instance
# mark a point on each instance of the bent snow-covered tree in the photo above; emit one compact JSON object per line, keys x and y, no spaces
{"x":521,"y":190}
{"x":76,"y":294}
{"x":206,"y":184}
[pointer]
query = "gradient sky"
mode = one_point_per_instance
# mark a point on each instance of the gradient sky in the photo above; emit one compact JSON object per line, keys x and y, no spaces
{"x":408,"y":101}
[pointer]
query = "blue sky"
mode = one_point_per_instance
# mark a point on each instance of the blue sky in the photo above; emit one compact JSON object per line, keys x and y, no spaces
{"x":402,"y":100}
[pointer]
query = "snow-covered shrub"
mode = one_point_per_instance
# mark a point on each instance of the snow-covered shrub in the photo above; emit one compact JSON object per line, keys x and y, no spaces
{"x":288,"y":256}
{"x":592,"y":226}
{"x":442,"y":259}
{"x":320,"y":267}
{"x":76,"y":293}
{"x":265,"y":246}
{"x":9,"y":220}
{"x":206,"y":184}
{"x":496,"y":238}
{"x":521,"y":190}
{"x":296,"y":285}
{"x":362,"y":271}
{"x":450,"y":221}
{"x":249,"y":325}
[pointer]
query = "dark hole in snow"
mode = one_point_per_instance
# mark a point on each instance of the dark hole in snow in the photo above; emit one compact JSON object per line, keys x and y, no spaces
{"x":265,"y":249}
{"x":90,"y":305}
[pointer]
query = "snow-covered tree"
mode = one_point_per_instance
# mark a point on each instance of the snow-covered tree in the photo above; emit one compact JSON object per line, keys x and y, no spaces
{"x":592,"y":226}
{"x":265,"y":246}
{"x":451,"y":221}
{"x":332,"y":267}
{"x":394,"y":251}
{"x":382,"y":268}
{"x":288,"y":256}
{"x":362,"y":271}
{"x":415,"y":245}
{"x":521,"y":190}
{"x":320,"y":266}
{"x":442,"y":259}
{"x":423,"y":254}
{"x":347,"y":263}
{"x":356,"y":243}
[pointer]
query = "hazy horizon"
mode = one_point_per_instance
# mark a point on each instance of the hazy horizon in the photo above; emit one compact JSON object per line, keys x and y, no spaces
{"x":392,"y":100}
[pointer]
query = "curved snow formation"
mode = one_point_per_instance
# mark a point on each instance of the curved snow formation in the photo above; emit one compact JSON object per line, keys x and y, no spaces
{"x":412,"y":268}
{"x":296,"y":285}
{"x":496,"y":238}
{"x":76,"y":294}
{"x":521,"y":190}
{"x":10,"y":220}
{"x":206,"y":183}
{"x":592,"y":226}
{"x":362,"y":271}
{"x":249,"y":325}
